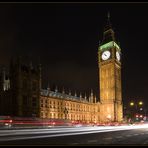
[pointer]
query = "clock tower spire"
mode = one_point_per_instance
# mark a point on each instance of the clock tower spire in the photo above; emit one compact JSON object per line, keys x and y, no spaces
{"x":108,"y":34}
{"x":110,"y":76}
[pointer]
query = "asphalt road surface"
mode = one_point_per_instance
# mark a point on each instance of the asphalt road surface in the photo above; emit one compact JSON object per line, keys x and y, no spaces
{"x":74,"y":136}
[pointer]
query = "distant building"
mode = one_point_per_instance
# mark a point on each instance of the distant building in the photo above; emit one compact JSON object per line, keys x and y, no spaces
{"x":5,"y":95}
{"x":24,"y":90}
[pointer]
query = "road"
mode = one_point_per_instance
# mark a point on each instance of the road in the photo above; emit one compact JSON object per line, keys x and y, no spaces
{"x":74,"y":136}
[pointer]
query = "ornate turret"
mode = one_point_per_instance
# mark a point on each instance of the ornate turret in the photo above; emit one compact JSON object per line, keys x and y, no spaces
{"x":85,"y":97}
{"x":91,"y":97}
{"x":95,"y":99}
{"x":63,"y":91}
{"x":69,"y":92}
{"x":80,"y":96}
{"x":75,"y":94}
{"x":56,"y":89}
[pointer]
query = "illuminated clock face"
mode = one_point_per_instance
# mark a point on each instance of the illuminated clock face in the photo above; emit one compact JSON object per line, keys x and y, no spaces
{"x":106,"y":55}
{"x":118,"y":55}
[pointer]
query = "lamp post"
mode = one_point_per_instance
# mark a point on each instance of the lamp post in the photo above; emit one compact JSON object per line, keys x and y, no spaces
{"x":136,"y":110}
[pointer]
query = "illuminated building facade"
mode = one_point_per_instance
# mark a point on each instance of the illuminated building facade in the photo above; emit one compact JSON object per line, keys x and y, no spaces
{"x":110,"y":77}
{"x":27,"y":98}
{"x":109,"y":109}
{"x":54,"y":104}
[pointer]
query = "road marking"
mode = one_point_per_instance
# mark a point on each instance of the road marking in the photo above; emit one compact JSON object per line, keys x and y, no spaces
{"x":119,"y":137}
{"x":92,"y":140}
{"x":128,"y":135}
{"x":108,"y":138}
{"x":142,"y":133}
{"x":75,"y":143}
{"x":146,"y":142}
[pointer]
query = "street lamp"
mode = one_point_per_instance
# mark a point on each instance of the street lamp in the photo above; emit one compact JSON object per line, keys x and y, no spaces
{"x":140,"y":103}
{"x":131,"y":103}
{"x":136,"y":108}
{"x":136,"y":104}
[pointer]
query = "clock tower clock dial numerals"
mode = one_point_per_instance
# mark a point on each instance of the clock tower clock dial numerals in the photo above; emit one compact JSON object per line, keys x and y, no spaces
{"x":105,"y":55}
{"x":118,"y":55}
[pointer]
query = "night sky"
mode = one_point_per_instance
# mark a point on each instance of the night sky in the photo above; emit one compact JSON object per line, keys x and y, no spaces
{"x":65,"y":37}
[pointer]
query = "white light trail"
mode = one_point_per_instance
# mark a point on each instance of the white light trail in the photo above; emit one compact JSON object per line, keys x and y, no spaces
{"x":8,"y":135}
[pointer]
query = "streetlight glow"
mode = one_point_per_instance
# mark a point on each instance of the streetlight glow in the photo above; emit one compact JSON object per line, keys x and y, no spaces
{"x":136,"y":111}
{"x":132,"y":104}
{"x":140,"y":103}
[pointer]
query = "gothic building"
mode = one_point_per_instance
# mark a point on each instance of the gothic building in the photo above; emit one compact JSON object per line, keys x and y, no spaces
{"x":65,"y":106}
{"x":24,"y":90}
{"x":109,"y":109}
{"x":25,"y":97}
{"x":109,"y":53}
{"x":5,"y":101}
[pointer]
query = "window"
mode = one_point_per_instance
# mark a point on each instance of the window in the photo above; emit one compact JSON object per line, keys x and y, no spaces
{"x":25,"y":101}
{"x":25,"y":86}
{"x":34,"y":86}
{"x":34,"y":102}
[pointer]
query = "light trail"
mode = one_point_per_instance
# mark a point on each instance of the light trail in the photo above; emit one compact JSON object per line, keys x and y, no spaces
{"x":8,"y":135}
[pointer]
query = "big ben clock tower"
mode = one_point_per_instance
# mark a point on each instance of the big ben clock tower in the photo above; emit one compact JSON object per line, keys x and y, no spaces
{"x":109,"y":53}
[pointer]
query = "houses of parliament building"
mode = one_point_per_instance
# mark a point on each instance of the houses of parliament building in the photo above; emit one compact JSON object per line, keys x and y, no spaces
{"x":21,"y":93}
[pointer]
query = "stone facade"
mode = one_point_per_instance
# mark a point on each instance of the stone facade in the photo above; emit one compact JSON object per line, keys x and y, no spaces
{"x":109,"y":54}
{"x":24,"y":96}
{"x":58,"y":105}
